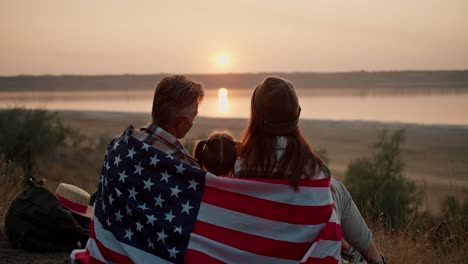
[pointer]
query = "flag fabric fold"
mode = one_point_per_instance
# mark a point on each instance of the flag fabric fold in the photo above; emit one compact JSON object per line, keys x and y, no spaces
{"x":152,"y":208}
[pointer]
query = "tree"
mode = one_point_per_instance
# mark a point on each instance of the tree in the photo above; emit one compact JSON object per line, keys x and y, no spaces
{"x":378,"y":183}
{"x":26,"y":135}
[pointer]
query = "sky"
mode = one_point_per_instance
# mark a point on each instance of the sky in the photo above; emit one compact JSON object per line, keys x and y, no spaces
{"x":216,"y":36}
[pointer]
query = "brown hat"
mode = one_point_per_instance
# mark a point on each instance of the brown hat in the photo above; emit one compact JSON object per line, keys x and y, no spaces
{"x":275,"y":107}
{"x":74,"y":198}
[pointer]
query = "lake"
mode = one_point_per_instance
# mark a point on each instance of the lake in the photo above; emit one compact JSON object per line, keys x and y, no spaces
{"x":441,"y":108}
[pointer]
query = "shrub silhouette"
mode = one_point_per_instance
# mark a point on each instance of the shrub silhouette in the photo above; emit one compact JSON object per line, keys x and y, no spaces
{"x":378,"y":185}
{"x":27,"y":135}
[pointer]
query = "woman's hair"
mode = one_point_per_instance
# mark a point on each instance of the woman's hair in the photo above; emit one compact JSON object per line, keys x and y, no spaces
{"x":258,"y":153}
{"x":217,"y":154}
{"x":275,"y":113}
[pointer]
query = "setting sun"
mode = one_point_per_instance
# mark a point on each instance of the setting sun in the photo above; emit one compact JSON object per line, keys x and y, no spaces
{"x":222,"y":60}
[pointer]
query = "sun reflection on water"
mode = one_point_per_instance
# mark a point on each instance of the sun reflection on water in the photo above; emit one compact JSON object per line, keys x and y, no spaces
{"x":223,"y":100}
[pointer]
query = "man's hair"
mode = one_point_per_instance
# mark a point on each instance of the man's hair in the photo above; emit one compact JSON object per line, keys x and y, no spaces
{"x":172,"y":95}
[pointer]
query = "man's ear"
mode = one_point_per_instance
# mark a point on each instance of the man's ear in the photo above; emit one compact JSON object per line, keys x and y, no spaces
{"x":181,"y":121}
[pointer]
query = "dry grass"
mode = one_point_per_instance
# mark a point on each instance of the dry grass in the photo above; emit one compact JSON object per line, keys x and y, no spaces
{"x":423,"y":242}
{"x":11,"y":183}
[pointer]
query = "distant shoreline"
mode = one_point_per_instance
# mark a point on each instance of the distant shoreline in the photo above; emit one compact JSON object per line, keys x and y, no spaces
{"x":408,"y":80}
{"x":306,"y":121}
{"x":330,"y":122}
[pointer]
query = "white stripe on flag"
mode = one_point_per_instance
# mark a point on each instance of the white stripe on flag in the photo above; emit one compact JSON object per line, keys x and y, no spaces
{"x":94,"y":251}
{"x":229,"y":254}
{"x":109,"y":241}
{"x":258,"y":226}
{"x":334,"y":217}
{"x":323,"y":249}
{"x":307,"y":196}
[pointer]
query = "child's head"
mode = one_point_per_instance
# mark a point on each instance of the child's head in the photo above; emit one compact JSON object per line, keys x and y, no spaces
{"x":217,"y":154}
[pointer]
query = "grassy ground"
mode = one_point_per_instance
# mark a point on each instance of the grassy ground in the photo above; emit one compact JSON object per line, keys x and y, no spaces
{"x":436,"y":157}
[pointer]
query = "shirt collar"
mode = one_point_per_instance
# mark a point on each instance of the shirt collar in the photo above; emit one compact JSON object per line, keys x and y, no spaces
{"x":154,"y":129}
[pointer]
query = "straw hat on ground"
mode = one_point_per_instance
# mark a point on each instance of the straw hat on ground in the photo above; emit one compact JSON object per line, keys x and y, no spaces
{"x":74,"y":198}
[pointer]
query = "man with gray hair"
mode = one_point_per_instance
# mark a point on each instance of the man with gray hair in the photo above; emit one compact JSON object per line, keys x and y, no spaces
{"x":175,"y":105}
{"x":133,"y":197}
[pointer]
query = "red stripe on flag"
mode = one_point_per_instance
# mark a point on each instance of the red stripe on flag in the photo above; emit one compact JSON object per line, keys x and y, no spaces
{"x":194,"y":256}
{"x":93,"y":261}
{"x":326,"y":260}
{"x":331,"y":231}
{"x":302,"y":183}
{"x":108,"y":254}
{"x":251,"y":243}
{"x":82,"y":257}
{"x":288,"y":213}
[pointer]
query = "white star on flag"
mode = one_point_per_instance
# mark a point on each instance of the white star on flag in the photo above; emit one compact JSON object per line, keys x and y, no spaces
{"x":151,"y":219}
{"x":161,"y":236}
{"x":138,"y":168}
{"x":175,"y":191}
{"x":150,"y":244}
{"x":122,"y":176}
{"x":148,"y":184}
{"x":169,"y":216}
{"x":154,"y":160}
{"x":139,"y":226}
{"x":131,"y":152}
{"x":173,"y":252}
{"x":128,"y":234}
{"x":143,"y":207}
{"x":159,"y":200}
{"x":178,"y":229}
{"x":116,"y":144}
{"x":117,"y":160}
{"x":132,"y":193}
{"x":118,"y":216}
{"x":165,"y":176}
{"x":145,"y":146}
{"x":193,"y":184}
{"x":129,"y":210}
{"x":186,"y":207}
{"x":180,"y":169}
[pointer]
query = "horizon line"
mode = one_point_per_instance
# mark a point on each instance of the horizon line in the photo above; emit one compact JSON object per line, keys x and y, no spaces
{"x":232,"y":73}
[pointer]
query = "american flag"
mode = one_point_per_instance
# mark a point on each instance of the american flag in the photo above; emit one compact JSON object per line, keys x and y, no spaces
{"x":152,"y":208}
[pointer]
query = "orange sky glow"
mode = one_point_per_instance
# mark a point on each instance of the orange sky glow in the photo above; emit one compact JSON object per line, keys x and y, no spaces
{"x":115,"y":37}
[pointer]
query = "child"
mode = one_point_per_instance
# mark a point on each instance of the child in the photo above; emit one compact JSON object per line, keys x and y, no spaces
{"x":217,"y":154}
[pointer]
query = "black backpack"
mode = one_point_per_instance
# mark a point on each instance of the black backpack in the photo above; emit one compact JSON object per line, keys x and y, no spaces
{"x":37,"y":221}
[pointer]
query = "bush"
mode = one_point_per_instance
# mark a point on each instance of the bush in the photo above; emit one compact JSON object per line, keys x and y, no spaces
{"x":28,"y":135}
{"x":378,"y":185}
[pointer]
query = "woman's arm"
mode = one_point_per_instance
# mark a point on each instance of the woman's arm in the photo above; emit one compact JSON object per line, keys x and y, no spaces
{"x":372,"y":255}
{"x":354,"y":229}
